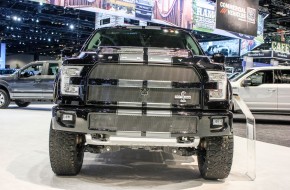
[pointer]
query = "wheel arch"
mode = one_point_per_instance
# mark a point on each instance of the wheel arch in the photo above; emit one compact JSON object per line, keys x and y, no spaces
{"x":2,"y":87}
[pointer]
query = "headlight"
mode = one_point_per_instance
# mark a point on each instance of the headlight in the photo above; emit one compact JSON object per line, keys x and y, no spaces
{"x":66,"y":73}
{"x":221,"y":79}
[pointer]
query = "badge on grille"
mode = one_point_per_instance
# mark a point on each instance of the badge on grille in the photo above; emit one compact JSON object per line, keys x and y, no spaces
{"x":182,"y":97}
{"x":144,"y":91}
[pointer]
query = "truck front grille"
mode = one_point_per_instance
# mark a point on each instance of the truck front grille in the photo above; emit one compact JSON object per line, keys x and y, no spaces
{"x":144,"y":72}
{"x":115,"y":122}
{"x":139,"y":83}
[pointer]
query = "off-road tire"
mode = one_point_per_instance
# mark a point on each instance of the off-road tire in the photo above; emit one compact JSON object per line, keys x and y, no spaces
{"x":4,"y":99}
{"x":66,"y":152}
{"x":215,"y":157}
{"x":21,"y":103}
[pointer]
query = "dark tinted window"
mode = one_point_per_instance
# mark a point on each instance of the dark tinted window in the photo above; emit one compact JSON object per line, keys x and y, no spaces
{"x":241,"y":75}
{"x":165,"y":38}
{"x":32,"y":70}
{"x":282,"y":76}
{"x":261,"y":77}
{"x":52,"y":69}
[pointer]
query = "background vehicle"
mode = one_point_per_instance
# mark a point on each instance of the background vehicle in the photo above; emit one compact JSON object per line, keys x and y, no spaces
{"x":141,"y":87}
{"x":224,"y":50}
{"x":229,"y":70}
{"x":33,"y":82}
{"x":233,"y":75}
{"x":264,"y":88}
{"x":144,"y":9}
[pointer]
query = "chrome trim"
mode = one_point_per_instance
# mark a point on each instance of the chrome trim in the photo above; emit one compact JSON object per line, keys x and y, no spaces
{"x":130,"y":104}
{"x":128,"y":133}
{"x":159,"y":105}
{"x":141,"y":141}
{"x":129,"y":112}
{"x":160,"y":58}
{"x":159,"y":84}
{"x":159,"y":113}
{"x":153,"y":134}
{"x":132,"y":57}
{"x":130,"y":83}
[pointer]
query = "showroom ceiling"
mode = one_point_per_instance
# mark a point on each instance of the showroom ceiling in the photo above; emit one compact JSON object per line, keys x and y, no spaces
{"x":279,"y":16}
{"x":30,"y":27}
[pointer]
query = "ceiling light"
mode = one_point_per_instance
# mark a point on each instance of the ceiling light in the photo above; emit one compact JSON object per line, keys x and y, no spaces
{"x":71,"y":26}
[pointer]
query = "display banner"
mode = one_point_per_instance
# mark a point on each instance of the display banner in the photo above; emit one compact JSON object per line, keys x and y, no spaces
{"x":164,"y":12}
{"x":204,"y":15}
{"x":198,"y":15}
{"x":281,"y":47}
{"x":237,"y":16}
{"x":260,"y":54}
{"x":230,"y":48}
{"x":2,"y":55}
{"x":280,"y":55}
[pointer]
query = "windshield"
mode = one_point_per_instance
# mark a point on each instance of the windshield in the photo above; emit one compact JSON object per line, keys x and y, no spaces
{"x":166,"y":38}
{"x":241,"y":75}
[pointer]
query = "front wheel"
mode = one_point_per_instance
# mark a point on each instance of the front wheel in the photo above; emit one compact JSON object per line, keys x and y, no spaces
{"x":4,"y":99}
{"x":215,"y":157}
{"x":66,"y":152}
{"x":21,"y":103}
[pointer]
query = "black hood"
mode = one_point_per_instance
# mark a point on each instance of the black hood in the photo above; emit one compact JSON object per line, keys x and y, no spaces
{"x":143,"y":55}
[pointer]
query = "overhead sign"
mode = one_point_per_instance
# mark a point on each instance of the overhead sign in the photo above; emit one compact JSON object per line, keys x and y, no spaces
{"x":281,"y":47}
{"x":237,"y":16}
{"x":260,"y":54}
{"x":204,"y":15}
{"x":269,"y":54}
{"x":280,"y":55}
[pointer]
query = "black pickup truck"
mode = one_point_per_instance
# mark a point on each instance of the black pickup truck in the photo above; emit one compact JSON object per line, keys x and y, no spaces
{"x":33,"y":82}
{"x":142,"y":88}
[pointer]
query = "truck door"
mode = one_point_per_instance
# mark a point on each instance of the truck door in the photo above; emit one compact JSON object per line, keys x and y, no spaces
{"x":283,"y":83}
{"x":261,"y":94}
{"x":48,"y":80}
{"x":27,"y":85}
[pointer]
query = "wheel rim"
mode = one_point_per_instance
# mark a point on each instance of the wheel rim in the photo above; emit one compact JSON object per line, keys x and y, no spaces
{"x":2,"y":99}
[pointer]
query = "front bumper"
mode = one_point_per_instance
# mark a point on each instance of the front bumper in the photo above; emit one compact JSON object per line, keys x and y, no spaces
{"x":135,"y":127}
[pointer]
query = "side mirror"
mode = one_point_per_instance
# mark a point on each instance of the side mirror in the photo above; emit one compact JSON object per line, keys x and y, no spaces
{"x":70,"y":51}
{"x":67,"y":52}
{"x":246,"y":82}
{"x":218,"y":58}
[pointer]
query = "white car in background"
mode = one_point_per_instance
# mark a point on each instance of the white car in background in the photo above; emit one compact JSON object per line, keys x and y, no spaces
{"x":264,"y":88}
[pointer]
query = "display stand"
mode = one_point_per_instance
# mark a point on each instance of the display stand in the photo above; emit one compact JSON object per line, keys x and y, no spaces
{"x":251,"y":137}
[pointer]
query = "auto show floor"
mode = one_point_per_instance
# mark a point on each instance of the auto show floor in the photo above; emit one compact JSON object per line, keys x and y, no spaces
{"x":24,"y":162}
